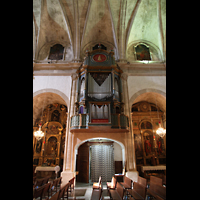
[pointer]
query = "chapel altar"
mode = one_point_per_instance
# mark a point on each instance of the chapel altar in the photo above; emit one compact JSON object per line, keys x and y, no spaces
{"x":44,"y":171}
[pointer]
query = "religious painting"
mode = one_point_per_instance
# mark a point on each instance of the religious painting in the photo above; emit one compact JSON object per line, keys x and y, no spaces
{"x":38,"y":146}
{"x":56,"y":52}
{"x":142,"y":52}
{"x":52,"y":146}
{"x":148,"y":143}
{"x":160,"y":145}
{"x":55,"y":116}
{"x":138,"y":145}
{"x":146,"y":125}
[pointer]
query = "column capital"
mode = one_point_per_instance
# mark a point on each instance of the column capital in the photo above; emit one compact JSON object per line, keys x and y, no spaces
{"x":74,"y":76}
{"x":124,"y":76}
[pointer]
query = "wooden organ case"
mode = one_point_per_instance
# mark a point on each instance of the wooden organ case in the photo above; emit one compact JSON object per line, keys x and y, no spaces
{"x":99,"y":87}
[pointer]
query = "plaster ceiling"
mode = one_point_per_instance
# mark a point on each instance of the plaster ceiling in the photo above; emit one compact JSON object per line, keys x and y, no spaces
{"x":88,"y":22}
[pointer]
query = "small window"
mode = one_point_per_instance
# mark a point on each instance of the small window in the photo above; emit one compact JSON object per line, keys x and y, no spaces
{"x":102,"y":47}
{"x":142,"y":52}
{"x":56,"y":52}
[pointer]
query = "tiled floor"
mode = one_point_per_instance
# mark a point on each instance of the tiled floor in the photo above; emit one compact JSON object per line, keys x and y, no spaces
{"x":88,"y":192}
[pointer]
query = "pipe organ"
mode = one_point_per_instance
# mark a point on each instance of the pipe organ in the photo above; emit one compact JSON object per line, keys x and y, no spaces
{"x":99,"y":90}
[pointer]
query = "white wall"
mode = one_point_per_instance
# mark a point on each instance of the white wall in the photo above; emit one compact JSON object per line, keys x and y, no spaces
{"x":117,"y":152}
{"x":137,"y":83}
{"x":61,"y":83}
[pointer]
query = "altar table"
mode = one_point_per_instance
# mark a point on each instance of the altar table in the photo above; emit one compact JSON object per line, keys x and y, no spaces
{"x":44,"y":170}
{"x":149,"y":168}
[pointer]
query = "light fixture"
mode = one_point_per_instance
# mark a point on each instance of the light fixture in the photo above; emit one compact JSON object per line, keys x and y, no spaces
{"x":161,"y":131}
{"x":39,"y":134}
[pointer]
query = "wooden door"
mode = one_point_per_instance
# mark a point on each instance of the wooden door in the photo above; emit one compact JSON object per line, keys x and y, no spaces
{"x":83,"y":163}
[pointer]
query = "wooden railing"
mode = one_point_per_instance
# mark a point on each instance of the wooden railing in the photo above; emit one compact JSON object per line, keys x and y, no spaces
{"x":81,"y":121}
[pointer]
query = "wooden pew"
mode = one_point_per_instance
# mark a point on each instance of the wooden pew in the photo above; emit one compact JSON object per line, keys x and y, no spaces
{"x":118,"y":193}
{"x":156,"y":190}
{"x":112,"y":185}
{"x":138,"y":192}
{"x":97,"y":185}
{"x":156,"y":180}
{"x":46,"y":189}
{"x":71,"y":184}
{"x":54,"y":186}
{"x":142,"y":181}
{"x":96,"y":194}
{"x":60,"y":194}
{"x":127,"y":184}
{"x":37,"y":192}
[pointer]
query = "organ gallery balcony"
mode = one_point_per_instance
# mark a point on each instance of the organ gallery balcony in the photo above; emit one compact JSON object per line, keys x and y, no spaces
{"x":117,"y":122}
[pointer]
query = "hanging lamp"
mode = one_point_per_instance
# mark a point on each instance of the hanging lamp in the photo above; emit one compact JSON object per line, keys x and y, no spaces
{"x":39,"y":134}
{"x":161,"y":131}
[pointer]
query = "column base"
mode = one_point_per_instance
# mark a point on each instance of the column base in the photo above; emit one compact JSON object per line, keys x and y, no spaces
{"x":133,"y":175}
{"x":66,"y":176}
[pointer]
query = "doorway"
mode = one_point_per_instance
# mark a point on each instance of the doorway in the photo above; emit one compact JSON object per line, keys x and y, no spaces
{"x":99,"y":153}
{"x":101,"y":162}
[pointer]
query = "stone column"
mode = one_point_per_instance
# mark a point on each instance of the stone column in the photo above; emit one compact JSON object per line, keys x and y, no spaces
{"x":130,"y":147}
{"x":68,"y":152}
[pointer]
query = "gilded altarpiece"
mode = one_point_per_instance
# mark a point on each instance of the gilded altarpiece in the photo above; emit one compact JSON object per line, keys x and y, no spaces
{"x":150,"y":149}
{"x":50,"y":149}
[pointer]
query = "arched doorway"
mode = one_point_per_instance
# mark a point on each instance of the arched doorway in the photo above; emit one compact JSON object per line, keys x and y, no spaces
{"x":99,"y":157}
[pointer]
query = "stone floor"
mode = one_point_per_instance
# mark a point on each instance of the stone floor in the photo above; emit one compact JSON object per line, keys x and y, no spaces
{"x":88,"y":193}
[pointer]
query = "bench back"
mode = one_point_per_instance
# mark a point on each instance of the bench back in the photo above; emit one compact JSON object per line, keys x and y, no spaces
{"x":114,"y":181}
{"x":142,"y":181}
{"x":140,"y":189}
{"x":38,"y":192}
{"x":156,"y":180}
{"x":120,"y":190}
{"x":128,"y":181}
{"x":160,"y":190}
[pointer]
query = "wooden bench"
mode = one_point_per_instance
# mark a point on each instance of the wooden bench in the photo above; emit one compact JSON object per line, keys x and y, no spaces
{"x":96,"y":194}
{"x":117,"y":193}
{"x":97,"y":185}
{"x":54,"y":185}
{"x":156,"y":190}
{"x":61,"y":193}
{"x":46,"y":189}
{"x":156,"y":180}
{"x":127,"y":184}
{"x":38,"y":191}
{"x":112,"y":185}
{"x":142,"y":181}
{"x":138,"y":192}
{"x":71,"y":184}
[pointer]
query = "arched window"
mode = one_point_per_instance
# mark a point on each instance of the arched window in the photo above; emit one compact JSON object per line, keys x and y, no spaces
{"x":56,"y":52}
{"x":96,"y":47}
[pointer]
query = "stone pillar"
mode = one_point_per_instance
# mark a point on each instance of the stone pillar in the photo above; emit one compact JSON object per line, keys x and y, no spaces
{"x":68,"y":152}
{"x":130,"y":146}
{"x":131,"y":161}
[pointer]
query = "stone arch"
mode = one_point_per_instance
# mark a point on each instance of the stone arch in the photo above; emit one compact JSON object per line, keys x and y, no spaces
{"x":42,"y":98}
{"x":85,"y":140}
{"x":158,"y":97}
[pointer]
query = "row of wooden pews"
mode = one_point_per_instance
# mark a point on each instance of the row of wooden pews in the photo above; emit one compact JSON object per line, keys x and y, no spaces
{"x":137,"y":190}
{"x":44,"y":189}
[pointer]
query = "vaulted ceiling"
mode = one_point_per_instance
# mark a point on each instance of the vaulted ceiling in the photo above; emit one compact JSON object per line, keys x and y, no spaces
{"x":80,"y":24}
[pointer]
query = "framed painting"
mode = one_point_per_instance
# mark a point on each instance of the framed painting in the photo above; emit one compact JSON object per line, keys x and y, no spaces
{"x":142,"y":52}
